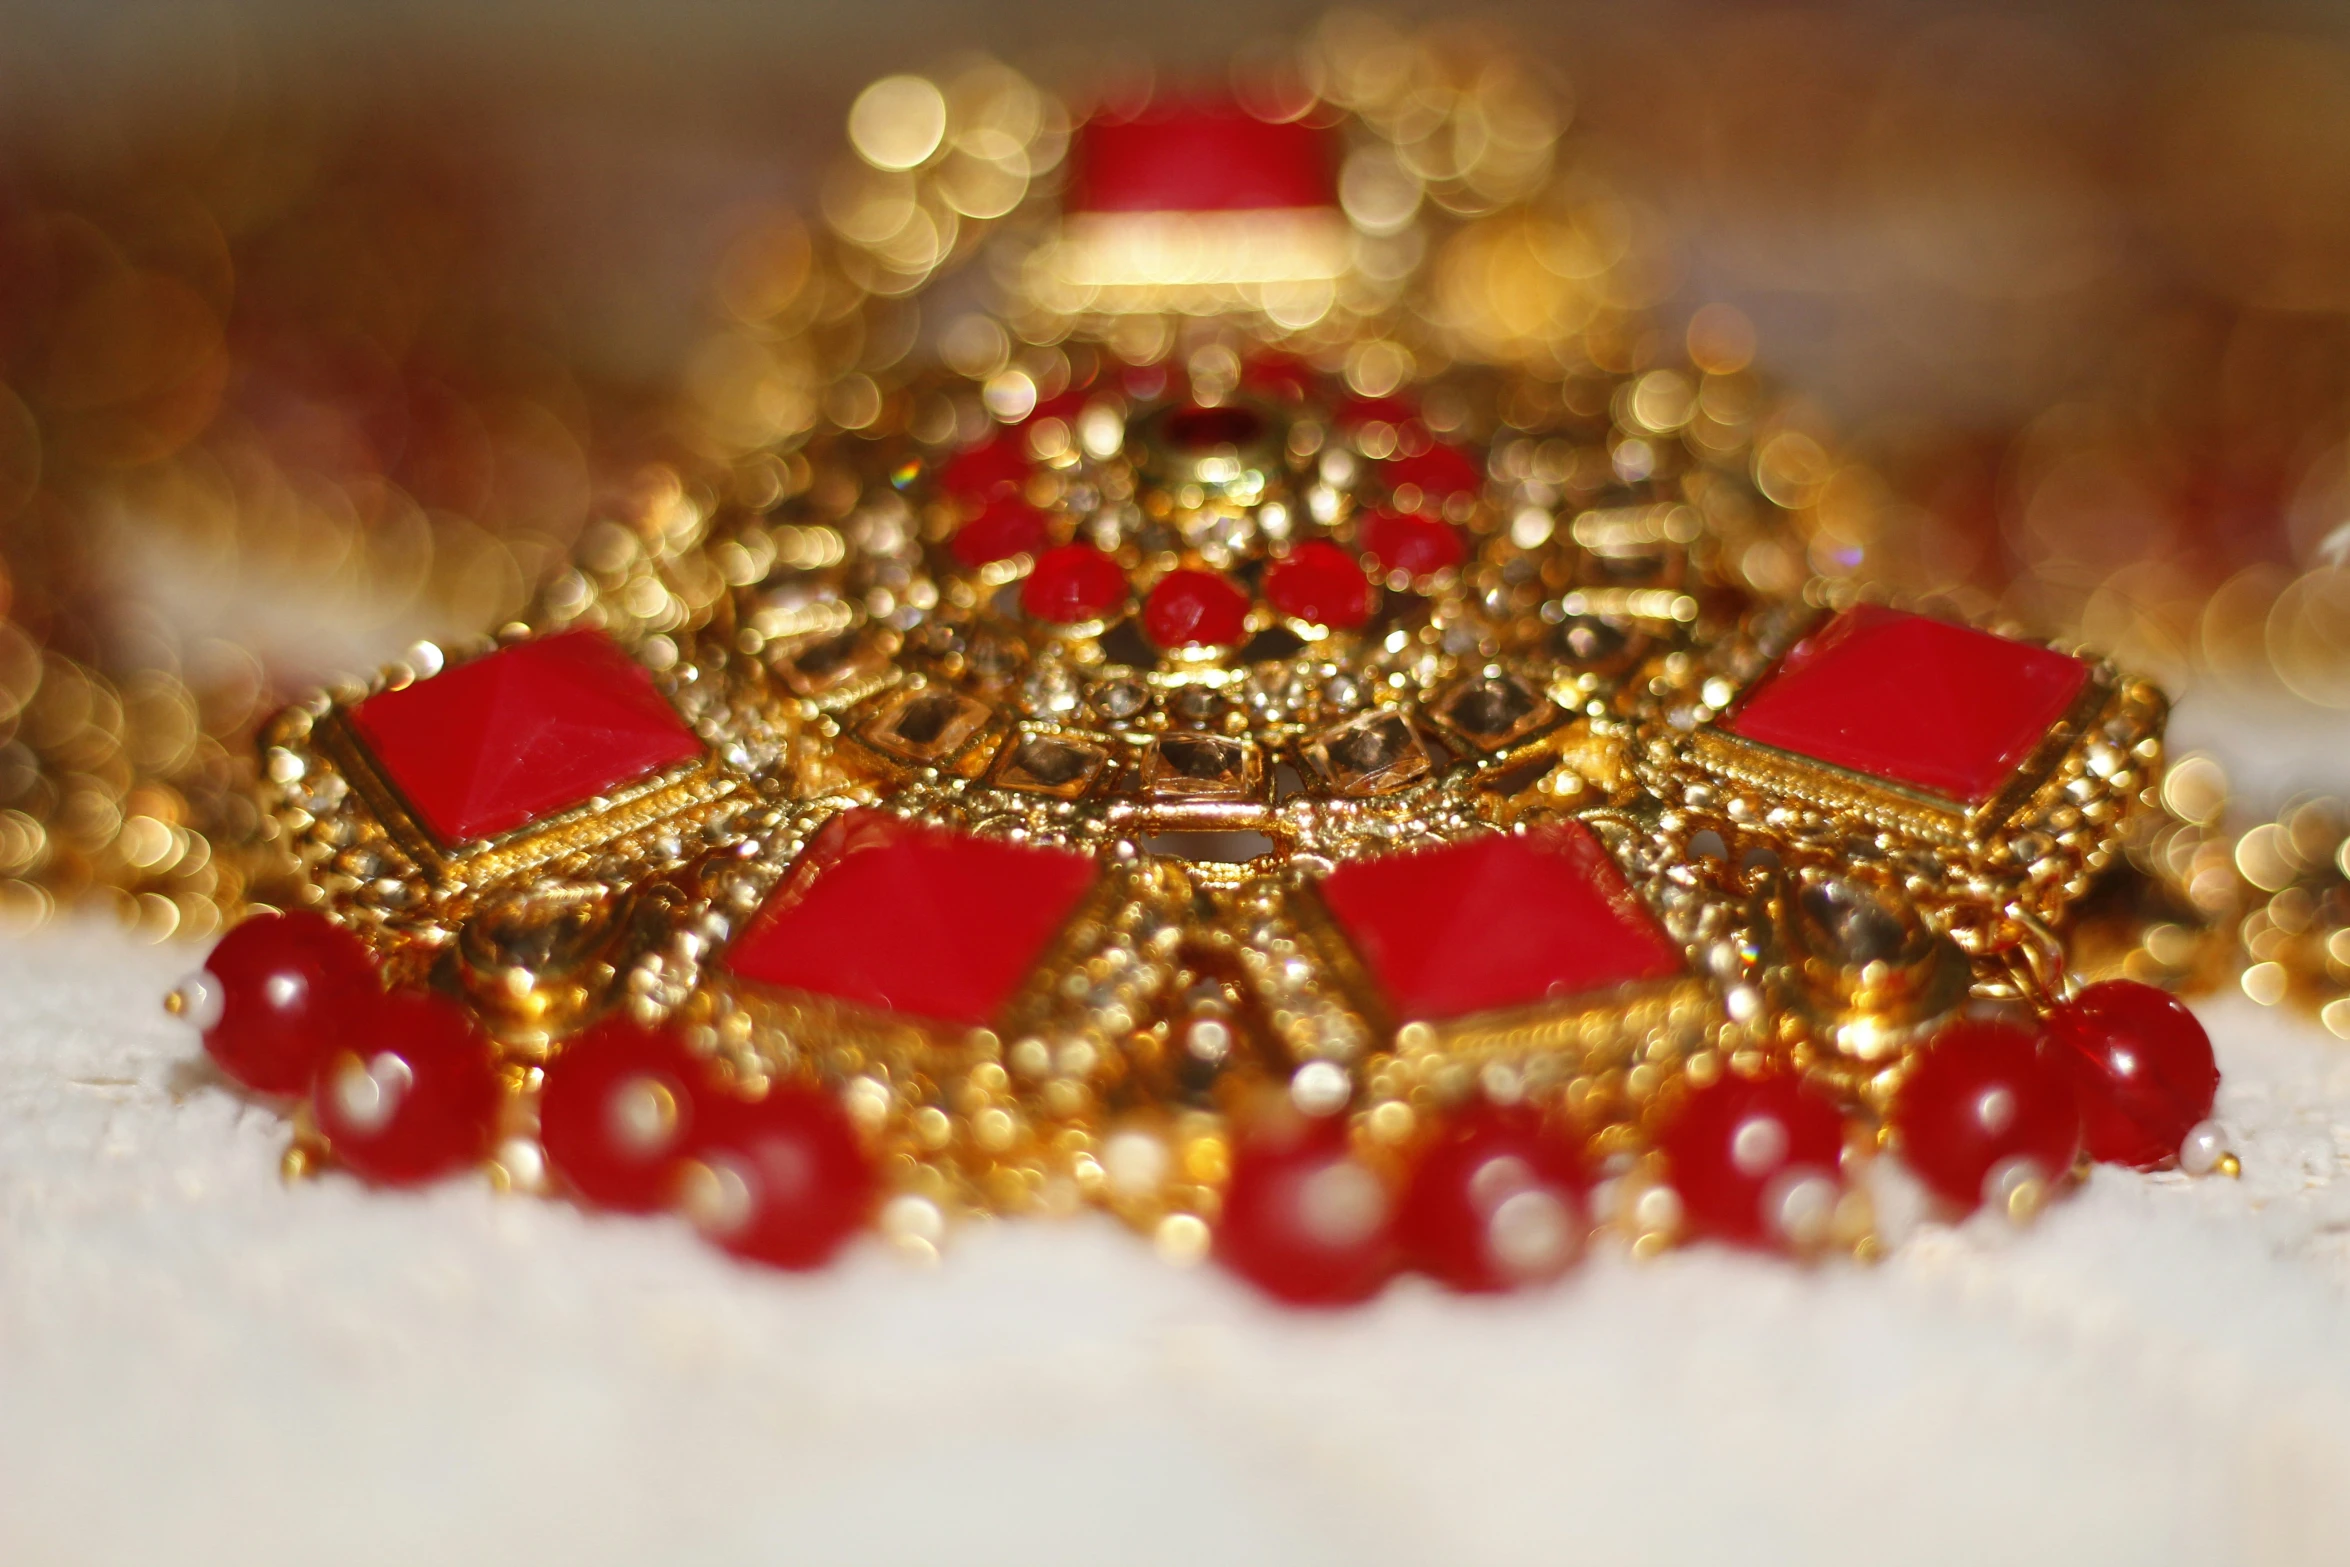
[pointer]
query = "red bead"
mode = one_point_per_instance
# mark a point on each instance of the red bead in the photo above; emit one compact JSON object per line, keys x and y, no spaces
{"x":1500,"y":1200}
{"x":2141,"y":1067}
{"x":619,"y":1112}
{"x":275,"y":996}
{"x":1198,"y":157}
{"x":1195,"y":609}
{"x":521,"y":733}
{"x":1912,"y":700}
{"x":1506,"y":920}
{"x":1978,"y":1098}
{"x":1072,"y":584}
{"x":1304,"y":1220}
{"x":1320,"y":584}
{"x":1439,"y":473}
{"x":414,"y":1092}
{"x":1743,"y":1151}
{"x":1413,"y":545}
{"x":891,"y":914}
{"x":998,"y":465}
{"x":781,"y":1180}
{"x":1005,"y":527}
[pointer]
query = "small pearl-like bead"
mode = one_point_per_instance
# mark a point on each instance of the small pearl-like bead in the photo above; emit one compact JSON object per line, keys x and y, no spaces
{"x":2201,"y":1150}
{"x":1320,"y":1088}
{"x":1136,"y":1162}
{"x":1802,"y":1207}
{"x":914,"y":1223}
{"x":1342,"y":1205}
{"x":1758,"y":1145}
{"x":642,"y":1115}
{"x":2016,"y":1187}
{"x":716,"y":1196}
{"x":1657,"y":1211}
{"x":368,"y":1093}
{"x":1898,"y":1198}
{"x":1533,"y":1234}
{"x":198,"y":1001}
{"x":519,"y":1164}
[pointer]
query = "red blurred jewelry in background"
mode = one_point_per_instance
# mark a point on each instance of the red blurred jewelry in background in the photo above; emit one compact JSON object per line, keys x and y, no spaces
{"x":1199,"y":156}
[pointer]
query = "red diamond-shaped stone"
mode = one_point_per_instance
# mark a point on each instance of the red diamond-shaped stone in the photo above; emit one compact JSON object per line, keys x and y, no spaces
{"x":1911,"y":700}
{"x":522,"y":733}
{"x":902,"y":917}
{"x":1195,"y":609}
{"x":1321,"y":584}
{"x":1072,"y":584}
{"x":1502,"y":921}
{"x":1198,"y":157}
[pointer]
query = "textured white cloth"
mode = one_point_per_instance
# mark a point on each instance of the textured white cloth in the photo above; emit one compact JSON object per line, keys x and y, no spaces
{"x":199,"y":1365}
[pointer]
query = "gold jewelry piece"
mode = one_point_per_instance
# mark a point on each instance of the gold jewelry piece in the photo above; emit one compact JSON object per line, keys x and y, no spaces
{"x":1227,"y":756}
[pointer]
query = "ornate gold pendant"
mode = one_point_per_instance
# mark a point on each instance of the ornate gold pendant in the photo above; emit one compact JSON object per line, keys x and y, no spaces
{"x":1341,"y":829}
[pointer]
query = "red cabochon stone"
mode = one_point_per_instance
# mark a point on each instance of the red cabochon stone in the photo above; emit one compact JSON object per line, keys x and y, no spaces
{"x":527,"y":731}
{"x":1501,"y":921}
{"x":1321,"y":584}
{"x":1911,"y":700}
{"x":898,"y":916}
{"x":1072,"y":584}
{"x":1191,"y":608}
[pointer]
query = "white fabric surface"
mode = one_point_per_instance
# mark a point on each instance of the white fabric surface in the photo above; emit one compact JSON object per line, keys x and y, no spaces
{"x":200,"y":1365}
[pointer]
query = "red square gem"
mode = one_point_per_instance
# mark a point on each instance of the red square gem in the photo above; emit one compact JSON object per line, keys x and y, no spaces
{"x":525,"y":732}
{"x":1503,"y":921}
{"x":901,"y":917}
{"x":1199,"y":157}
{"x":1911,"y":700}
